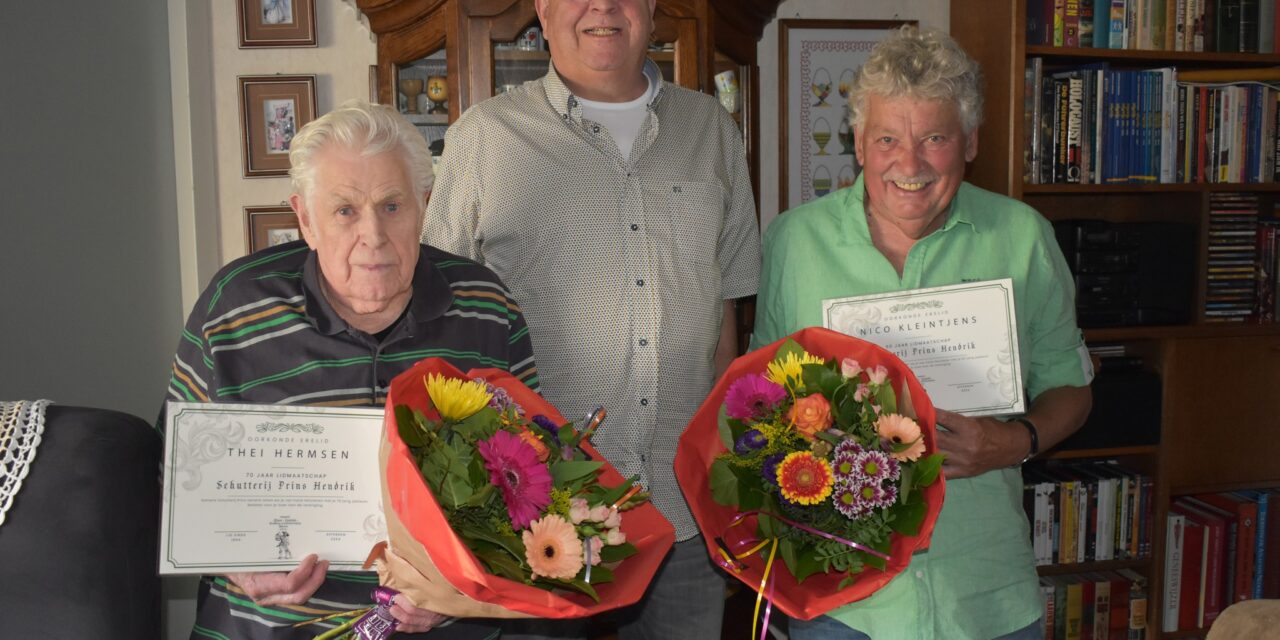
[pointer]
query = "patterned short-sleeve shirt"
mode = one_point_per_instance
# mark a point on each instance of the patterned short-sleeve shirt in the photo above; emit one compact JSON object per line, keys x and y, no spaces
{"x":620,"y":264}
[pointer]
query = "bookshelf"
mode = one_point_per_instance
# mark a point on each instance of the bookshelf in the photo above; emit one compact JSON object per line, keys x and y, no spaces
{"x":1219,"y":381}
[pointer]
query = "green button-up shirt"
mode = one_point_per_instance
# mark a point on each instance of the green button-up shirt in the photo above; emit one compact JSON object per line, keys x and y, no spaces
{"x":978,"y":578}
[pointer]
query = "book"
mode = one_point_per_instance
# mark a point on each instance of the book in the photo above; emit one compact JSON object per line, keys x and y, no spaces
{"x":1271,"y":568}
{"x":1262,"y":500}
{"x":1172,"y":594}
{"x":1194,"y":562}
{"x":1215,"y":557}
{"x":1245,"y":514}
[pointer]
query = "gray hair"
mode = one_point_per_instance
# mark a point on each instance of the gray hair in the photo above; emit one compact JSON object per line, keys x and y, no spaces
{"x":368,"y":129}
{"x":922,"y":64}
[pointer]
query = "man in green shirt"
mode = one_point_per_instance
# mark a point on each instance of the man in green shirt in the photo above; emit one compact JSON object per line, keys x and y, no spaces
{"x":910,"y":221}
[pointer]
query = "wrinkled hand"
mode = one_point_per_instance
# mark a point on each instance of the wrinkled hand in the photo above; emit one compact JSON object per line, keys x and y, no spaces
{"x":975,"y":446}
{"x":413,"y":619}
{"x":277,"y":587}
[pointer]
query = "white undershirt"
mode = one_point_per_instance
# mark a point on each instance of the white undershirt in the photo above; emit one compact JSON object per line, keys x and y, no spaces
{"x":622,"y":119}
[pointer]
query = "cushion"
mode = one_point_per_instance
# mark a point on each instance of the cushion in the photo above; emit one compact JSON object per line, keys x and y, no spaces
{"x":78,"y":548}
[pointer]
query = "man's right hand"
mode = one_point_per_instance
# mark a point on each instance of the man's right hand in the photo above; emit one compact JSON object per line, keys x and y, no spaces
{"x":277,"y":587}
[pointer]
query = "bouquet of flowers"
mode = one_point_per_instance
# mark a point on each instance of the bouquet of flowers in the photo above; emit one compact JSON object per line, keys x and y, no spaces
{"x":496,"y":507}
{"x":819,"y":450}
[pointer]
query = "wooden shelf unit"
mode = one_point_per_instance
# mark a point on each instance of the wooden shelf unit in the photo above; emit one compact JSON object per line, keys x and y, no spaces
{"x":1220,"y":401}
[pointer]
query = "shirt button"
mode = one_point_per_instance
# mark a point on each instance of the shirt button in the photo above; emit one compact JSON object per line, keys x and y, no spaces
{"x":920,"y":574}
{"x":644,"y":402}
{"x":644,"y":342}
{"x":635,"y":227}
{"x":639,"y":283}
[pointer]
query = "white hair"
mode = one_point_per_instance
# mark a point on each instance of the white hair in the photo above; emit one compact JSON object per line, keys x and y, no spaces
{"x":368,"y":129}
{"x":922,"y":64}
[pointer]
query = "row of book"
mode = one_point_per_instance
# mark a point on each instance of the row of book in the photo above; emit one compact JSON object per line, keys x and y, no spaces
{"x":1087,"y":511}
{"x":1095,"y":125}
{"x":1233,"y":26}
{"x":1220,"y":548}
{"x":1105,"y":605}
{"x":1243,"y":258}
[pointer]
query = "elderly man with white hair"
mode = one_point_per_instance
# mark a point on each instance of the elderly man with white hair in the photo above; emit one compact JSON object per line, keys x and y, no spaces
{"x":330,"y":320}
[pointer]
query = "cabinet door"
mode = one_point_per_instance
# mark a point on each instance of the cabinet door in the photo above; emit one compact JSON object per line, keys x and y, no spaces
{"x":1222,"y":409}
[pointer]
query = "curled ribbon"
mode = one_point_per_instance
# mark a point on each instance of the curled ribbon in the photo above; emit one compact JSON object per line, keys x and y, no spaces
{"x":730,"y":559}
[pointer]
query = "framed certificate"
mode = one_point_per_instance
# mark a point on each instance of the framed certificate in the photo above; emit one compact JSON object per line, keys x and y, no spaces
{"x":258,"y":487}
{"x":960,"y":340}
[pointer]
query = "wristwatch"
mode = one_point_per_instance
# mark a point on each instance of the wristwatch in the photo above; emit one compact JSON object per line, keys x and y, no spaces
{"x":1035,"y":438}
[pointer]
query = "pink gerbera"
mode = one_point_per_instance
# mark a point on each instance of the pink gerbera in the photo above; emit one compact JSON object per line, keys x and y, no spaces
{"x":752,"y":396}
{"x":513,"y":466}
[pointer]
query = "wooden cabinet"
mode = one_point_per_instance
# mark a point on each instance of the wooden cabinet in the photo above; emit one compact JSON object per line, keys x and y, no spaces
{"x":472,"y":44}
{"x":1219,"y":381}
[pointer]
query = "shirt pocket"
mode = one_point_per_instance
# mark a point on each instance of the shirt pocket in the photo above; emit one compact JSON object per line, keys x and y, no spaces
{"x":695,"y":211}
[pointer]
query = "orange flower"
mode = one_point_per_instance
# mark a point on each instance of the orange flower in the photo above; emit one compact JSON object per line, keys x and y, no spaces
{"x":810,"y":415}
{"x":539,"y":447}
{"x":552,"y":548}
{"x":904,"y":434}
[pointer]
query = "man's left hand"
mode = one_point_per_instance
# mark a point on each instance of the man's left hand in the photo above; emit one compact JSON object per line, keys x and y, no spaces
{"x":413,"y":619}
{"x":977,"y":445}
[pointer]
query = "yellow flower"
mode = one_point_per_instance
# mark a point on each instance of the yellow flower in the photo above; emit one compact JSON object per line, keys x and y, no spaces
{"x":456,"y":399}
{"x":787,"y":371}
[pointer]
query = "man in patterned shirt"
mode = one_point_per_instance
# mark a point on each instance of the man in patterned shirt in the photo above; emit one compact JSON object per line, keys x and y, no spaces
{"x":330,"y":321}
{"x":618,"y":208}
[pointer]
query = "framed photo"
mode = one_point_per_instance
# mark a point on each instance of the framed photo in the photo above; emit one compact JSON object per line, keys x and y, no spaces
{"x":270,"y":226}
{"x":272,"y":109}
{"x":817,"y":60}
{"x":276,"y":23}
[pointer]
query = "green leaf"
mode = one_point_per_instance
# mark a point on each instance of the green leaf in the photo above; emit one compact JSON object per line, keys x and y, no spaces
{"x":565,"y":472}
{"x":908,"y":517}
{"x":407,"y":425}
{"x":616,"y":552}
{"x":568,"y":435}
{"x":927,"y":469}
{"x":788,"y":346}
{"x":479,"y":498}
{"x":498,"y":561}
{"x":724,"y":483}
{"x":479,"y":425}
{"x":600,"y":574}
{"x":786,"y":551}
{"x":576,"y":585}
{"x":510,"y":543}
{"x":905,"y":485}
{"x":886,"y":399}
{"x":820,"y":377}
{"x":722,"y":425}
{"x":806,"y":564}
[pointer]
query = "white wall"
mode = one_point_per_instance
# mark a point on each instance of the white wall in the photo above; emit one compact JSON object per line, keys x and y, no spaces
{"x":930,"y":13}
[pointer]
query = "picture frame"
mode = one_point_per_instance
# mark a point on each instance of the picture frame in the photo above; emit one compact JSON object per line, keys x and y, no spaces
{"x":268,"y":226}
{"x":276,"y":23}
{"x":273,"y":109}
{"x":817,"y":60}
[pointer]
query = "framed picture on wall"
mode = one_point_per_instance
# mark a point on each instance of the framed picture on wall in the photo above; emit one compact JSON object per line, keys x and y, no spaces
{"x":270,"y":226}
{"x":276,"y":23}
{"x":817,"y":60}
{"x":273,"y":108}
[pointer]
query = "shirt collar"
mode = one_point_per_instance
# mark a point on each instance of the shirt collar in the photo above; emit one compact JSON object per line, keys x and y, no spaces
{"x":432,"y":295}
{"x":567,"y":105}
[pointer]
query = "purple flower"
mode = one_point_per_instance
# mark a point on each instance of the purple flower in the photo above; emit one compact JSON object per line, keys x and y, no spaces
{"x":876,"y":466}
{"x":499,"y":399}
{"x":848,"y":501}
{"x":849,"y":447}
{"x":770,"y":468}
{"x":752,"y":396}
{"x":550,"y":426}
{"x":749,"y":441}
{"x":844,"y":467}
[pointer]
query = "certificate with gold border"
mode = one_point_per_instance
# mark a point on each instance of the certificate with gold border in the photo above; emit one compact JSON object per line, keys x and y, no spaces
{"x":960,"y":340}
{"x":258,"y":487}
